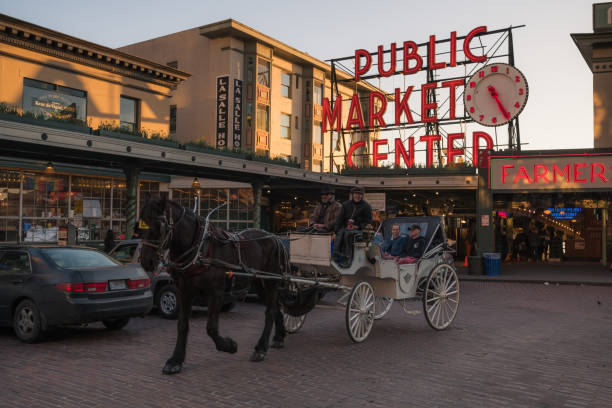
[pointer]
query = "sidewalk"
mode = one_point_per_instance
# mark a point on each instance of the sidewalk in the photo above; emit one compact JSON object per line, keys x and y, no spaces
{"x":564,"y":273}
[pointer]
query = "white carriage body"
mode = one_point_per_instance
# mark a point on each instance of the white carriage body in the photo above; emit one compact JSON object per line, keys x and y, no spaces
{"x":312,"y":253}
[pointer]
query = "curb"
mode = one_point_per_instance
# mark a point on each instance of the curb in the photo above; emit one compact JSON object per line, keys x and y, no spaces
{"x":535,"y":281}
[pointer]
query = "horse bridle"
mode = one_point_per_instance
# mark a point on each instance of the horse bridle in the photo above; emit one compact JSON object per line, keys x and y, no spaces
{"x":166,"y":227}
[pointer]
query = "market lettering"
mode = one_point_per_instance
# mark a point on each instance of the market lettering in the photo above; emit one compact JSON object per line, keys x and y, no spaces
{"x":412,"y":62}
{"x":406,"y":157}
{"x":551,"y":174}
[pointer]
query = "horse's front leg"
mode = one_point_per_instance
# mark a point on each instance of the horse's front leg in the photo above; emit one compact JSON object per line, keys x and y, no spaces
{"x":271,"y":295}
{"x":215,"y":303}
{"x":175,"y":362}
{"x":278,"y":341}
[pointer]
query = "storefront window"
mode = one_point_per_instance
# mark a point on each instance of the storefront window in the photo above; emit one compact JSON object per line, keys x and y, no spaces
{"x":45,"y":206}
{"x":9,"y":205}
{"x":54,"y":101}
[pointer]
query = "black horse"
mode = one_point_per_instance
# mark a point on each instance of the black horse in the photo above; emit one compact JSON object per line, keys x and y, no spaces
{"x":191,"y":248}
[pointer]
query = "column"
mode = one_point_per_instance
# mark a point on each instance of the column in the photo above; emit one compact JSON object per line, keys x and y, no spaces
{"x":132,"y":176}
{"x":484,"y":207}
{"x":604,"y":237}
{"x":257,"y":189}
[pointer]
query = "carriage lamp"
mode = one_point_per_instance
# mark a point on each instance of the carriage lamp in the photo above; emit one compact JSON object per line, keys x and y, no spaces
{"x":49,"y":168}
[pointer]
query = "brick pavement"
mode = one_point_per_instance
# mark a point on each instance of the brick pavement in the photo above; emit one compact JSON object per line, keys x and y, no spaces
{"x":512,"y":345}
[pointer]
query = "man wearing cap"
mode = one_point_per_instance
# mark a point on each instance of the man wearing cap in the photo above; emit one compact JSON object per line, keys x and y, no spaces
{"x":354,"y":216}
{"x":323,"y":218}
{"x":416,"y":244}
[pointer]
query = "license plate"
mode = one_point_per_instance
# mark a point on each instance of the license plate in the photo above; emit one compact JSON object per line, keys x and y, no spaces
{"x":117,"y":285}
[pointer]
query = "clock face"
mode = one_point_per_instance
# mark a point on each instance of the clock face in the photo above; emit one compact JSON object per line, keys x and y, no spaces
{"x":495,"y":94}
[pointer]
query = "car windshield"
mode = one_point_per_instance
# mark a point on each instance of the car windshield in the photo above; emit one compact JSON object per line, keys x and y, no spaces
{"x":73,"y":258}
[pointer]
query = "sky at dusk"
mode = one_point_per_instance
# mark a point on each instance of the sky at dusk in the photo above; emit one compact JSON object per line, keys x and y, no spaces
{"x":559,"y":112}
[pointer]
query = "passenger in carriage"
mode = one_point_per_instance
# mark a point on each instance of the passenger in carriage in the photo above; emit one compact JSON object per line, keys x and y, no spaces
{"x":395,"y":246}
{"x":415,"y":246}
{"x":323,"y":218}
{"x":354,"y":216}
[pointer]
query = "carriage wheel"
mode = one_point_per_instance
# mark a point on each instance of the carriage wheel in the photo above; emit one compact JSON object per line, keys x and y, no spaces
{"x":292,"y":323}
{"x":360,"y":312}
{"x":382,"y":306}
{"x":441,"y":297}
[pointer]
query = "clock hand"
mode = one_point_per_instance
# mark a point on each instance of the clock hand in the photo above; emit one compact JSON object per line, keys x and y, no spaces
{"x":495,"y":96}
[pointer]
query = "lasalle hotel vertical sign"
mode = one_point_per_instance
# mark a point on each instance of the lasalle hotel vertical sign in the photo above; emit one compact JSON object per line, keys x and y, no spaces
{"x":222,"y":98}
{"x":222,"y":113}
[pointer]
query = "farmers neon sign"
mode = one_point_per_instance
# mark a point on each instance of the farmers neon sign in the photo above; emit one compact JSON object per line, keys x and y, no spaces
{"x":562,"y":172}
{"x":412,"y":62}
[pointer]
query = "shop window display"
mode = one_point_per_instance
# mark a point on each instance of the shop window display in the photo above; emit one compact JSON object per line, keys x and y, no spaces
{"x":45,"y":207}
{"x":10,"y":182}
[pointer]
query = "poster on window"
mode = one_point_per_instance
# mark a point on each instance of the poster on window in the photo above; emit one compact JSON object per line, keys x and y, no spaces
{"x":222,"y":101}
{"x":237,"y":128}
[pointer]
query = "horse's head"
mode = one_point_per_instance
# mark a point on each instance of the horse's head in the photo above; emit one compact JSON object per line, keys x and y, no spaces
{"x":154,"y":214}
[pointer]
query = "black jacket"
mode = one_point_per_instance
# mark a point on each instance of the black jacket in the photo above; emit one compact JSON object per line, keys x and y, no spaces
{"x":415,"y":247}
{"x":360,"y":212}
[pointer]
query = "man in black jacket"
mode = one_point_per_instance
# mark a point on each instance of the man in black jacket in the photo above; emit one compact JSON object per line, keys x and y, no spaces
{"x":354,"y":216}
{"x":416,"y":244}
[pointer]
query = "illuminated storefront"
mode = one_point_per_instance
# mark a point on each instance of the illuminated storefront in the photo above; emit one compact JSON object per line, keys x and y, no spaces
{"x":552,"y":204}
{"x":39,"y":202}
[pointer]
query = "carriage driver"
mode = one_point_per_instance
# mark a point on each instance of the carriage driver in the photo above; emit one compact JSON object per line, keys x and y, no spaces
{"x":354,"y":216}
{"x":323,"y":218}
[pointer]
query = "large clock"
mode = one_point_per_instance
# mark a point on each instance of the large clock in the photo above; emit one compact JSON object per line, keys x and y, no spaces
{"x":495,"y":94}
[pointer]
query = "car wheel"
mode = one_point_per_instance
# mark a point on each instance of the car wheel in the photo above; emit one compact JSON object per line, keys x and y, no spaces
{"x":26,"y":322}
{"x":166,"y":301}
{"x":228,"y":307}
{"x":116,"y":324}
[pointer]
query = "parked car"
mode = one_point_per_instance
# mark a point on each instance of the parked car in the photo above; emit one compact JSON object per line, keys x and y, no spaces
{"x":164,"y":290}
{"x":46,"y":286}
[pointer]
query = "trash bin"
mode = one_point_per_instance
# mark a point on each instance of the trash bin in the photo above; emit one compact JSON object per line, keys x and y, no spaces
{"x":475,"y":265}
{"x":492,"y":263}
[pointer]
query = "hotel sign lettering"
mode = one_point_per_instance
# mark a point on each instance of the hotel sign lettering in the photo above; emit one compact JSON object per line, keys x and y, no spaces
{"x":237,"y":136}
{"x":583,"y":172}
{"x":222,"y":105}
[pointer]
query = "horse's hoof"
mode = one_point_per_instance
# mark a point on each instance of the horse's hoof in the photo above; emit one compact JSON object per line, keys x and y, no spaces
{"x":278,"y":344}
{"x":229,"y":346}
{"x":257,"y":356}
{"x":172,"y":368}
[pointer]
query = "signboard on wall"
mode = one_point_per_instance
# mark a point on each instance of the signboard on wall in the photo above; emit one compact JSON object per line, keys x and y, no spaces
{"x":237,"y":128}
{"x":602,"y":17}
{"x":579,"y":172}
{"x":376,"y":200}
{"x":222,"y":101}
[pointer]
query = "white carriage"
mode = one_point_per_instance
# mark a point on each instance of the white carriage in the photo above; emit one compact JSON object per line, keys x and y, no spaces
{"x":373,"y":283}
